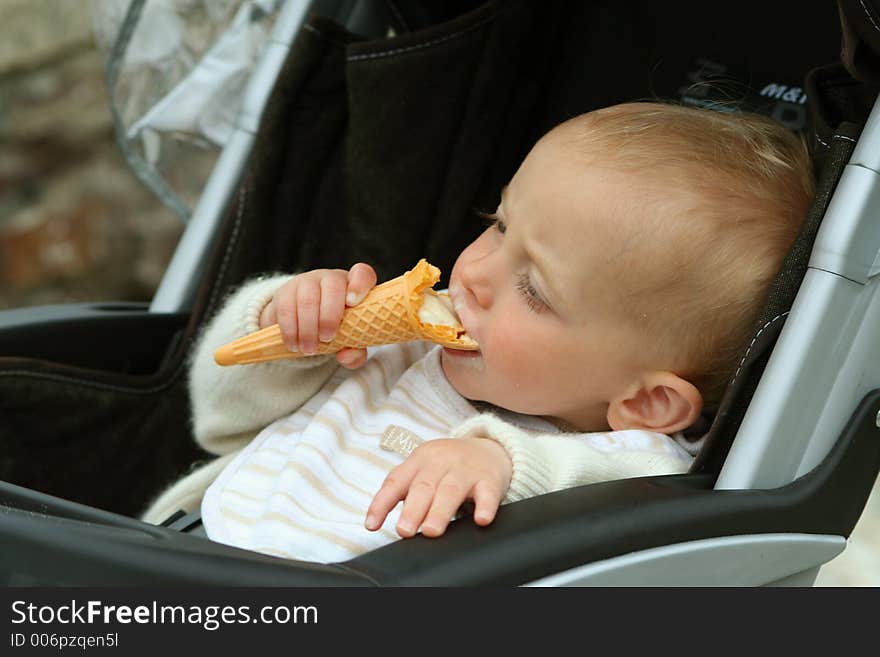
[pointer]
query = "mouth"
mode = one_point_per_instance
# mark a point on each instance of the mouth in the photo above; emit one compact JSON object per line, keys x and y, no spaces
{"x":461,"y":353}
{"x":460,"y":360}
{"x":459,"y":303}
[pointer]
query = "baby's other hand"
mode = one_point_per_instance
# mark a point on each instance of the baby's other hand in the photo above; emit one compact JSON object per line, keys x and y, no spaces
{"x":437,"y":478}
{"x":309,"y":308}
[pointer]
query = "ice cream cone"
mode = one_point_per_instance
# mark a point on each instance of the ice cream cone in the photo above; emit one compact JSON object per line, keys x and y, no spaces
{"x":388,"y":314}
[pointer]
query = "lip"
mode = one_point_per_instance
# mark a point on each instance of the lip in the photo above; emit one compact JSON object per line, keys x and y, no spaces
{"x":458,"y":296}
{"x":462,"y":353}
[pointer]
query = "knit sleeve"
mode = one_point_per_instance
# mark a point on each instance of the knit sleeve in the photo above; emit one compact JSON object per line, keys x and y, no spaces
{"x":232,"y":404}
{"x":543,"y":463}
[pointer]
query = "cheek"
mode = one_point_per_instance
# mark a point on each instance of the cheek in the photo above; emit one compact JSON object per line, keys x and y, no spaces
{"x":516,"y":346}
{"x":527,"y":348}
{"x":523,"y":372}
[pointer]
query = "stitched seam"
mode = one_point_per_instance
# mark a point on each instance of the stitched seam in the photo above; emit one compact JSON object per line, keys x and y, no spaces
{"x":421,"y":46}
{"x":752,"y":344}
{"x":236,"y":229}
{"x":826,"y":145}
{"x":868,"y":14}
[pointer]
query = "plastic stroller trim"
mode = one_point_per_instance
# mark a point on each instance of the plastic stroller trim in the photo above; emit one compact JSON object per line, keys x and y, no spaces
{"x":118,"y":337}
{"x":178,"y":287}
{"x":806,"y":391}
{"x":28,"y":317}
{"x":753,"y":560}
{"x":849,"y":240}
{"x":181,"y":279}
{"x":798,"y":386}
{"x":866,"y":153}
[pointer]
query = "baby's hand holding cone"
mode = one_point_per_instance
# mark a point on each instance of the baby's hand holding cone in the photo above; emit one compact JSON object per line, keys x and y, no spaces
{"x":400,"y":310}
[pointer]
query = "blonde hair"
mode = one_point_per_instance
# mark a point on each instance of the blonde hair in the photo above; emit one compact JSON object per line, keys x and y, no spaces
{"x":733,"y":189}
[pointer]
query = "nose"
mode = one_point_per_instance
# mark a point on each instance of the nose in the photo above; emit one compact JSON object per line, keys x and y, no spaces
{"x":476,"y":277}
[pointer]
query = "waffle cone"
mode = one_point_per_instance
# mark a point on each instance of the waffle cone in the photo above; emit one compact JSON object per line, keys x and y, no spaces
{"x":387,"y":315}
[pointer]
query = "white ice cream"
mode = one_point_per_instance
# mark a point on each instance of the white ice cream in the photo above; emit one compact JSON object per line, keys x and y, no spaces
{"x":437,"y":309}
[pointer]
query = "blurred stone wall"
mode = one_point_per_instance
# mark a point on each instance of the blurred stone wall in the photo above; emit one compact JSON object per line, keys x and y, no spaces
{"x":75,"y":223}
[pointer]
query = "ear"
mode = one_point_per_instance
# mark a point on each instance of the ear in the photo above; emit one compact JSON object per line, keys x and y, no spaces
{"x":660,"y":401}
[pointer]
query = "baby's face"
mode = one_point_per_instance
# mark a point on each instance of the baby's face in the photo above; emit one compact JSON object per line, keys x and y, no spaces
{"x":540,"y":290}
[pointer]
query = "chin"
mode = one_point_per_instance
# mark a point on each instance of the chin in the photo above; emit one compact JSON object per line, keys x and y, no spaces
{"x":461,"y":373}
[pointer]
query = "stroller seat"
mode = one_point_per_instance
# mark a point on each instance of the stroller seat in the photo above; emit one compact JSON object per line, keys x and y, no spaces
{"x":376,"y":148}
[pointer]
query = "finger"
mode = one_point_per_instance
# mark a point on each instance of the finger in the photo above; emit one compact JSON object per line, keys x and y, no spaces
{"x":393,"y":490}
{"x":286,"y":317}
{"x":418,"y":501}
{"x":332,"y":304}
{"x":308,"y":304}
{"x":449,"y":496}
{"x":361,"y":279}
{"x":267,"y":315}
{"x":487,"y":499}
{"x":351,"y":358}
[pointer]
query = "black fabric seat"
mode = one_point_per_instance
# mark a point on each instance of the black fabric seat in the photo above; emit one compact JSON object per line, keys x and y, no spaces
{"x":380,"y":151}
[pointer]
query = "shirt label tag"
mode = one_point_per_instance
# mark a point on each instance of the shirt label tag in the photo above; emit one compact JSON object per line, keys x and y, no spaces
{"x":400,"y":440}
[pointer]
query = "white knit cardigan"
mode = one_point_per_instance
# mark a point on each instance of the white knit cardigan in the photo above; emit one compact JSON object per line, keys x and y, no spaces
{"x":231,"y":405}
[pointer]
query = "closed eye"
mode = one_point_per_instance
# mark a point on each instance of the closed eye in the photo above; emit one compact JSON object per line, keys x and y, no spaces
{"x":531,"y":296}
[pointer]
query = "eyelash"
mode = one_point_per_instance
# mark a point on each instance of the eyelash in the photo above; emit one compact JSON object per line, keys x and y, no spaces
{"x":529,"y":293}
{"x":492,"y":219}
{"x":523,"y":284}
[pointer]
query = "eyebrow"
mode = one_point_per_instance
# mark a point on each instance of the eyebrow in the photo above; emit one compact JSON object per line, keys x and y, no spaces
{"x":547,"y":291}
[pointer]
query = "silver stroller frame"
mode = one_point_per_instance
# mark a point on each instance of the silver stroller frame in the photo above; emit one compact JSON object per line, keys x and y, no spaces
{"x":826,"y":359}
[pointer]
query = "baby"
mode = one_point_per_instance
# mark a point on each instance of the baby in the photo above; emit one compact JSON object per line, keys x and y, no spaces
{"x":611,"y":296}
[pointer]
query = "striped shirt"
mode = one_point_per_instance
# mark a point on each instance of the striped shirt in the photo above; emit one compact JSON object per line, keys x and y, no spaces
{"x":302,"y":487}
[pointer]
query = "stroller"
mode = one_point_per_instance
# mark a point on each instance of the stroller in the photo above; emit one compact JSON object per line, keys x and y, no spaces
{"x":375,"y":148}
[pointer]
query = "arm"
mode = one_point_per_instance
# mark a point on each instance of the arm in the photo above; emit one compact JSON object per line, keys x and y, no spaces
{"x":231,"y":404}
{"x":545,"y":463}
{"x":492,"y":462}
